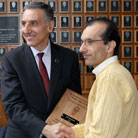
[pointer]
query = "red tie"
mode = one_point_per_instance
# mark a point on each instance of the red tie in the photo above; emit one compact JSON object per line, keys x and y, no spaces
{"x":43,"y":72}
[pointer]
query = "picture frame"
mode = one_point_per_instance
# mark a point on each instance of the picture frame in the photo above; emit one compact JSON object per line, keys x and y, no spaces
{"x":89,"y":6}
{"x":11,"y":48}
{"x":89,"y":69}
{"x":115,"y":19}
{"x":136,"y":21}
{"x":136,"y":5}
{"x":53,"y":5}
{"x":126,"y":21}
{"x":128,"y":64}
{"x":102,"y":16}
{"x":136,"y":66}
{"x":77,"y":21}
{"x":127,"y":51}
{"x":24,"y":3}
{"x":126,"y":5}
{"x":13,"y":6}
{"x":114,"y":6}
{"x":77,"y":6}
{"x":101,"y":6}
{"x":136,"y":51}
{"x":127,"y":36}
{"x":64,"y":6}
{"x":136,"y":36}
{"x":53,"y":36}
{"x":65,"y":36}
{"x":89,"y":18}
{"x":64,"y":21}
{"x":0,"y":69}
{"x":77,"y":36}
{"x":76,"y":49}
{"x":3,"y":6}
{"x":3,"y":50}
{"x":55,"y":21}
{"x":81,"y":66}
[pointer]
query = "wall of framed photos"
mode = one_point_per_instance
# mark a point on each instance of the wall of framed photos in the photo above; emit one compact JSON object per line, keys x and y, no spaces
{"x":70,"y":17}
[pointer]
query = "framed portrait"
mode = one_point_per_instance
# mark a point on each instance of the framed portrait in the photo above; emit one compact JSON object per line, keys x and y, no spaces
{"x":115,"y":19}
{"x":13,"y":6}
{"x":88,"y":19}
{"x":53,"y":36}
{"x":136,"y":5}
{"x":136,"y":21}
{"x":65,"y":37}
{"x":24,"y":3}
{"x":77,"y":21}
{"x":128,"y":64}
{"x":114,"y":6}
{"x":64,"y":21}
{"x":76,"y":49}
{"x":89,"y":69}
{"x":81,"y":66}
{"x":127,"y":21}
{"x":64,"y":6}
{"x":136,"y":66}
{"x":55,"y":21}
{"x":126,"y":5}
{"x":127,"y":51}
{"x":127,"y":36}
{"x":136,"y":51}
{"x":77,"y":6}
{"x":3,"y":50}
{"x":2,"y":6}
{"x":53,"y":5}
{"x":77,"y":36}
{"x":136,"y":36}
{"x":89,"y":6}
{"x":102,"y":5}
{"x":0,"y":69}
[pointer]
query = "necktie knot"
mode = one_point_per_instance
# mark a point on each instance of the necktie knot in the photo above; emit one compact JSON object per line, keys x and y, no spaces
{"x":40,"y":55}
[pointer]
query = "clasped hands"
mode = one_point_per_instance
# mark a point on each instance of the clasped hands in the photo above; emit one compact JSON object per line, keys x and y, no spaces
{"x":58,"y":131}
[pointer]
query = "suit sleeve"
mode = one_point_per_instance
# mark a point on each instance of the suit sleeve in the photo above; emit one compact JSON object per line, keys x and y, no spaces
{"x":14,"y":102}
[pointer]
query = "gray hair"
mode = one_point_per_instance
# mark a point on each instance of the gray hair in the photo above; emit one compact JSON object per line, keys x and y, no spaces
{"x":45,"y":7}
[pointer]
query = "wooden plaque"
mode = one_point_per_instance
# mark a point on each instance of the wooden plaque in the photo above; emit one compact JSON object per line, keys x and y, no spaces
{"x":70,"y":110}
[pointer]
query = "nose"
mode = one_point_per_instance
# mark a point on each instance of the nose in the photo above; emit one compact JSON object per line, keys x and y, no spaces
{"x":82,"y":48}
{"x":26,"y":28}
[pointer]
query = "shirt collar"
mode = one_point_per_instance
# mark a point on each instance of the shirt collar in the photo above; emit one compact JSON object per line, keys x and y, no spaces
{"x":101,"y":66}
{"x":45,"y":51}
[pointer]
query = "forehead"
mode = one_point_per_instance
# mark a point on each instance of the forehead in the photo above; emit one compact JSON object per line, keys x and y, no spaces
{"x":94,"y":31}
{"x":33,"y":14}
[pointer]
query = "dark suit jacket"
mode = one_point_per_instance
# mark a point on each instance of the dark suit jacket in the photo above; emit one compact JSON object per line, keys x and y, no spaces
{"x":23,"y":93}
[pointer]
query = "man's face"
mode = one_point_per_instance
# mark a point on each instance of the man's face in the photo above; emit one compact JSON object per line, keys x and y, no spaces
{"x":96,"y":52}
{"x":34,"y":28}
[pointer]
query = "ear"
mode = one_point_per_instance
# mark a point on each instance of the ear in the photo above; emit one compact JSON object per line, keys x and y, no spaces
{"x":111,"y":46}
{"x":51,"y":26}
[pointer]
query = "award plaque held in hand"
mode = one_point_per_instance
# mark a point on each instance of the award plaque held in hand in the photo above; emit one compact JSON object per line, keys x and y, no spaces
{"x":70,"y":110}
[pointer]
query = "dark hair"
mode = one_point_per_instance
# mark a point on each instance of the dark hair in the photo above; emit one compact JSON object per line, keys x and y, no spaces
{"x":111,"y":32}
{"x":45,"y":7}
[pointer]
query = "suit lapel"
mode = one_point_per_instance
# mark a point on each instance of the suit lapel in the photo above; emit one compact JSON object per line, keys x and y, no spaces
{"x":34,"y":72}
{"x":56,"y":61}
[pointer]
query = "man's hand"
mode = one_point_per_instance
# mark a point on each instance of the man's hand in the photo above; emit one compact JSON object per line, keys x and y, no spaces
{"x":57,"y":131}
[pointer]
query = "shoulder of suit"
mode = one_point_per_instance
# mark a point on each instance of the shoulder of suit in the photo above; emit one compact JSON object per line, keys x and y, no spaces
{"x":64,"y":49}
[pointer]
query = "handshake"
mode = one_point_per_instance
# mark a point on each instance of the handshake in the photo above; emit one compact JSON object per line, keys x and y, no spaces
{"x":58,"y":131}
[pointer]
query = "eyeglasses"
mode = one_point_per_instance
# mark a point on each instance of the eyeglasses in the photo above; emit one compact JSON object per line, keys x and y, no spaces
{"x":89,"y":42}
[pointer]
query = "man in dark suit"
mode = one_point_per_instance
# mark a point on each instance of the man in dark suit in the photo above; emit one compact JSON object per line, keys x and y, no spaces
{"x":23,"y":92}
